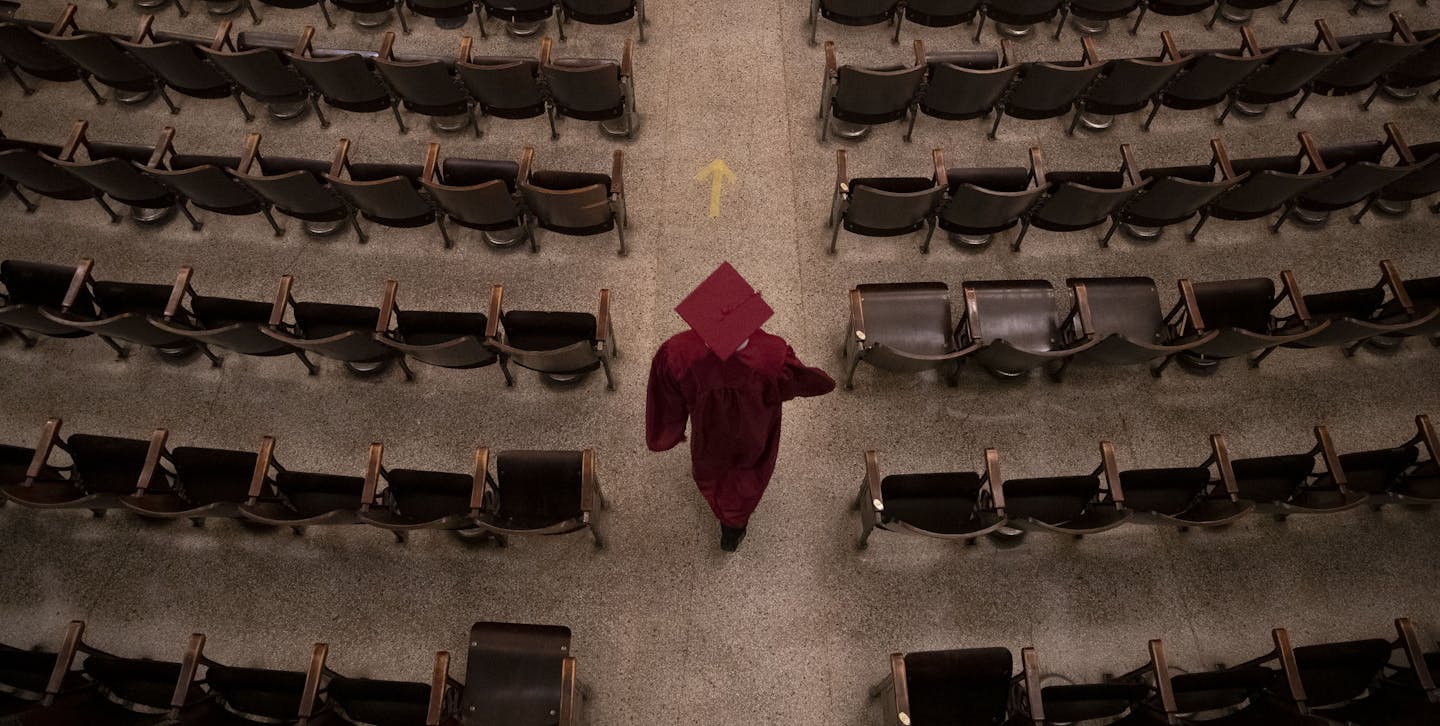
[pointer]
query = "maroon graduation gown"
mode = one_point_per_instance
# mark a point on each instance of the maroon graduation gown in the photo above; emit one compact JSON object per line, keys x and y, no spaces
{"x":734,"y":412}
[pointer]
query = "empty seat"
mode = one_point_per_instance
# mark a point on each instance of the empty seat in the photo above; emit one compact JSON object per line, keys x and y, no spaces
{"x":543,"y":492}
{"x":177,"y":63}
{"x":1355,"y":316}
{"x":966,"y":84}
{"x":1238,"y":693}
{"x":298,"y":499}
{"x":1070,"y":702}
{"x":1126,"y":85}
{"x":135,"y":691}
{"x":1186,"y":497}
{"x":904,"y":327}
{"x":342,"y":332}
{"x":1209,"y":76}
{"x":1361,"y":176}
{"x":1238,"y":318}
{"x":562,"y":346}
{"x":426,"y":85}
{"x":124,"y":313}
{"x":1404,"y":80}
{"x":1093,"y":16}
{"x":386,"y":194}
{"x":853,"y":12}
{"x":102,"y":469}
{"x":1338,"y":677}
{"x":1172,"y":194}
{"x":29,"y":165}
{"x":1081,"y":200}
{"x":397,"y":703}
{"x":1420,"y":297}
{"x":522,"y":17}
{"x":228,"y":323}
{"x":577,"y":203}
{"x":300,"y":5}
{"x":521,"y":674}
{"x":206,"y":182}
{"x":342,"y":78}
{"x":414,"y":499}
{"x":859,"y":97}
{"x":21,"y":49}
{"x":1422,"y":181}
{"x":259,"y":71}
{"x":32,"y":680}
{"x":982,"y":202}
{"x":956,"y":505}
{"x":1289,"y":71}
{"x":444,"y":339}
{"x":602,"y":12}
{"x":591,"y":89}
{"x":502,"y":86}
{"x":114,"y":169}
{"x":883,"y":206}
{"x":480,"y":194}
{"x":1125,"y":315}
{"x":936,"y":13}
{"x":31,"y":287}
{"x":447,"y":14}
{"x":1241,"y":11}
{"x":1398,"y":474}
{"x":1011,"y":327}
{"x":248,"y":695}
{"x":1169,"y":8}
{"x":1286,"y":484}
{"x":203,"y":483}
{"x":969,"y":687}
{"x":1367,"y":58}
{"x":1014,"y":17}
{"x":1075,"y":504}
{"x":370,"y":14}
{"x":295,"y":188}
{"x":102,"y":59}
{"x":1048,"y":90}
{"x":1267,"y":185}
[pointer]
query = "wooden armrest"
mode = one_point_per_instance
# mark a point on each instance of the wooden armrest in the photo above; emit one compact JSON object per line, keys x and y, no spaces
{"x":313,"y":674}
{"x":1160,"y":666}
{"x":1400,"y":29}
{"x":492,"y":318}
{"x":177,"y":293}
{"x":1390,"y":277}
{"x":830,"y":64}
{"x":1030,"y":672}
{"x":1168,"y":48}
{"x":439,"y":678}
{"x":569,"y":694}
{"x":282,"y":301}
{"x":222,"y":36}
{"x":1082,"y":305}
{"x":589,"y":501}
{"x":145,"y":30}
{"x":307,"y":37}
{"x":1192,"y":305}
{"x":617,"y":173}
{"x":1415,"y":653}
{"x":64,"y":660}
{"x":1089,"y":56}
{"x":1291,"y":668}
{"x":840,"y":177}
{"x":341,"y":160}
{"x":77,"y":137}
{"x":374,"y":469}
{"x":49,"y":436}
{"x":432,"y":162}
{"x":78,"y":282}
{"x":1309,"y":151}
{"x":627,"y":61}
{"x":466,"y":43}
{"x":1006,"y":52}
{"x":1221,"y":452}
{"x":194,"y":653}
{"x":602,"y":319}
{"x":971,"y":318}
{"x":919,"y":52}
{"x":1111,"y":469}
{"x":997,"y":484}
{"x":388,"y":308}
{"x":857,"y":314}
{"x":387,"y":46}
{"x":545,"y":46}
{"x":157,"y":449}
{"x":66,"y":21}
{"x":251,"y":153}
{"x":1291,"y":289}
{"x":527,"y":159}
{"x":263,"y":459}
{"x":165,"y":144}
{"x":1396,"y":141}
{"x":1037,"y":166}
{"x":477,"y":485}
{"x":1221,"y":159}
{"x":1128,"y":165}
{"x":1324,"y":39}
{"x":1425,"y":431}
{"x":872,"y":480}
{"x":941,"y":178}
{"x":900,"y":687}
{"x":1248,"y":44}
{"x":1331,"y":456}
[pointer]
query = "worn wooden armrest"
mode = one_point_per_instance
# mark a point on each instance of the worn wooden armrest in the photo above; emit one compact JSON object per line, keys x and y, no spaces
{"x":1222,"y":462}
{"x":1400,"y":29}
{"x":165,"y":144}
{"x":145,"y":30}
{"x":545,"y":47}
{"x":1248,"y":43}
{"x":1290,"y":289}
{"x":627,"y":61}
{"x":1082,"y":307}
{"x":1089,"y":56}
{"x":282,"y":301}
{"x":251,"y":154}
{"x":992,"y":476}
{"x":900,"y":687}
{"x":1164,"y":689}
{"x":157,"y":449}
{"x":194,"y":654}
{"x":313,"y":675}
{"x":78,"y":282}
{"x":1410,"y":643}
{"x":305,"y":44}
{"x":569,"y":694}
{"x":1192,"y":305}
{"x":178,"y":292}
{"x":466,"y":43}
{"x":49,"y":437}
{"x":1326,"y":448}
{"x":439,"y":678}
{"x":432,"y":162}
{"x":77,"y":138}
{"x":840,"y":176}
{"x":872,"y":480}
{"x":64,"y":660}
{"x":831,"y":66}
{"x":1037,"y":166}
{"x":1390,"y":277}
{"x":1128,"y":165}
{"x":1425,"y":433}
{"x":389,"y":308}
{"x":1007,"y":51}
{"x":1324,"y":38}
{"x":527,"y":159}
{"x":857,"y":315}
{"x":1111,"y":469}
{"x":1396,"y":141}
{"x":387,"y":46}
{"x":1030,"y":673}
{"x":970,"y":319}
{"x":374,"y":469}
{"x":492,"y":319}
{"x":602,"y":319}
{"x":919,"y":47}
{"x":477,"y":485}
{"x":1291,"y":668}
{"x":589,"y":499}
{"x":942,"y":179}
{"x":1310,"y":152}
{"x":617,"y":173}
{"x":222,"y":36}
{"x":66,"y":21}
{"x":263,"y":460}
{"x":1168,"y":49}
{"x":341,"y":160}
{"x":1221,"y":159}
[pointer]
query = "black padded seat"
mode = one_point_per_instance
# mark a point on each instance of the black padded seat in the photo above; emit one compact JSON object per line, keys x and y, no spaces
{"x":379,"y":703}
{"x":1014,"y":323}
{"x":944,"y":503}
{"x":418,"y":497}
{"x":536,"y":489}
{"x":21,"y":46}
{"x":1334,"y":673}
{"x":22,"y":162}
{"x":917,"y":187}
{"x":25,"y":671}
{"x":460,"y":172}
{"x":1242,"y":304}
{"x":941,"y":13}
{"x":1062,"y":502}
{"x":912,"y":318}
{"x":1377,"y":471}
{"x":147,"y":683}
{"x":539,"y":331}
{"x":322,"y":320}
{"x":1272,"y":478}
{"x":568,"y":180}
{"x":14,"y":464}
{"x":514,"y":673}
{"x":215,"y":312}
{"x":309,"y":495}
{"x":958,"y":687}
{"x":1084,"y":702}
{"x":33,"y":287}
{"x":258,"y":693}
{"x":211,"y":476}
{"x":1170,"y":491}
{"x":433,"y":328}
{"x":600,"y":12}
{"x":985,"y":201}
{"x":505,"y":86}
{"x":110,"y":465}
{"x":858,"y":12}
{"x":519,"y":11}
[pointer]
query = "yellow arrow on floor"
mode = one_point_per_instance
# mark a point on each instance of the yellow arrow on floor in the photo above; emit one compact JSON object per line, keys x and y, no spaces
{"x":718,"y":174}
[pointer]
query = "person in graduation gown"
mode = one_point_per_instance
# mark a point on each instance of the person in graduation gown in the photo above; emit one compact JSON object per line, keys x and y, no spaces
{"x":728,"y":378}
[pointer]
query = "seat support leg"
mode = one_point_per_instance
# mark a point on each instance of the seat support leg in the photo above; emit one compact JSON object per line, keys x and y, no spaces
{"x":1371,"y":98}
{"x":850,"y":370}
{"x":195,"y":224}
{"x":270,"y":217}
{"x":1369,"y":202}
{"x":914,"y":114}
{"x":399,"y":120}
{"x":19,"y":81}
{"x":1255,"y":362}
{"x":1204,"y":216}
{"x":215,"y":360}
{"x":114,"y":218}
{"x":1304,"y":96}
{"x":1114,"y":224}
{"x":240,"y":101}
{"x":250,"y":8}
{"x":605,"y":366}
{"x":899,"y":20}
{"x":505,"y":368}
{"x":326,"y":14}
{"x":550,"y":115}
{"x":99,"y":99}
{"x":1154,"y":109}
{"x":999,"y":114}
{"x":834,"y":236}
{"x":1285,"y":16}
{"x":164,"y":96}
{"x":400,"y":15}
{"x":925,"y":248}
{"x":310,"y":368}
{"x":1060,"y":26}
{"x":405,"y":369}
{"x":1158,"y":369}
{"x":120,"y":352}
{"x":30,"y":206}
{"x":1219,"y":7}
{"x":444,"y":233}
{"x":1284,"y":215}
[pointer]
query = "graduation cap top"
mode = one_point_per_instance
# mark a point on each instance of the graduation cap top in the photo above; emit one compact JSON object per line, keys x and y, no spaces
{"x":724,"y":310}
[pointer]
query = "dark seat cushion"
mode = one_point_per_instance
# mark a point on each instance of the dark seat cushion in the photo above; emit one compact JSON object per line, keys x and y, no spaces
{"x":433,"y":328}
{"x":469,"y":172}
{"x":312,"y":495}
{"x":105,"y":464}
{"x":946,"y":503}
{"x":277,"y":165}
{"x":1053,"y":500}
{"x":537,"y":488}
{"x":958,"y":687}
{"x":1097,"y":179}
{"x":321,"y":320}
{"x":381,"y":703}
{"x":209,"y":476}
{"x":146,"y":682}
{"x":36,"y":283}
{"x":1357,"y":304}
{"x":217,"y":312}
{"x":259,"y":692}
{"x":25,"y":670}
{"x":1377,"y":470}
{"x":1243,"y":304}
{"x":1091,"y":701}
{"x":565,"y":180}
{"x":425,"y":496}
{"x":378,"y":172}
{"x":1213,"y":690}
{"x":895,"y":184}
{"x":540,"y":331}
{"x":117,"y":298}
{"x":1168,"y":491}
{"x":180,"y":162}
{"x":1272,"y":478}
{"x":1337,"y":672}
{"x":995,"y":179}
{"x":14,"y":462}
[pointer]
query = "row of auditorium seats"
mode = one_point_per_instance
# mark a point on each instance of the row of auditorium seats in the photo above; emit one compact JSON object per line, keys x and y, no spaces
{"x":1010,"y":328}
{"x":285,"y":72}
{"x":515,"y":674}
{"x":972,"y":204}
{"x":1015,"y":17}
{"x":66,"y":302}
{"x":1370,"y":682}
{"x":964,"y":85}
{"x":966,"y":505}
{"x":504,"y":200}
{"x":532,"y":492}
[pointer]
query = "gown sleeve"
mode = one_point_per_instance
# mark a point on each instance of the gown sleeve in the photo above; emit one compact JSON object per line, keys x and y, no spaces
{"x":799,"y":380}
{"x":665,"y":409}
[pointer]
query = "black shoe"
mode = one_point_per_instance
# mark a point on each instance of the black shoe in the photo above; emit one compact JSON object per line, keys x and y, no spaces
{"x":731,"y":537}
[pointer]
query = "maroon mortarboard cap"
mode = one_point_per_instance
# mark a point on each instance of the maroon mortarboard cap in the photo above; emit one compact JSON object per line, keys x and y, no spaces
{"x":724,"y":310}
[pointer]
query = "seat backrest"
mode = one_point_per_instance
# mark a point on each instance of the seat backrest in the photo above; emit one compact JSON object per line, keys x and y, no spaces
{"x":1361,"y":175}
{"x":1214,"y":690}
{"x":584,"y":85}
{"x":343,"y":79}
{"x":342,"y":332}
{"x":554,"y":342}
{"x":598,"y":11}
{"x":383,"y":703}
{"x":207,"y":476}
{"x":539,"y":486}
{"x":1423,"y":67}
{"x":956,"y":91}
{"x":911,"y":317}
{"x":1337,"y":672}
{"x":881,"y":94}
{"x":98,"y":54}
{"x":22,"y":162}
{"x":386,"y":193}
{"x":148,"y":683}
{"x":1168,"y":491}
{"x":1125,"y":306}
{"x":111,"y":169}
{"x":205,"y":181}
{"x":1424,"y":177}
{"x":513,"y":672}
{"x":1359,"y":304}
{"x":311,"y":494}
{"x":1288,"y":70}
{"x":24,"y":674}
{"x":1379,"y":469}
{"x":504,"y":87}
{"x":107,"y":464}
{"x":891,"y":205}
{"x":1243,"y":304}
{"x":233,"y":325}
{"x":1053,"y":500}
{"x":259,"y":72}
{"x":22,"y":46}
{"x":1050,"y":88}
{"x":1175,"y":194}
{"x":179,"y":64}
{"x":293,"y":185}
{"x":125,"y":308}
{"x":858,"y":12}
{"x":1083,"y":199}
{"x":482,"y":204}
{"x":258,"y":692}
{"x":1271,"y":182}
{"x":422,"y":83}
{"x":941,"y":13}
{"x":1211,"y":75}
{"x":1365,"y":60}
{"x":1020,"y":312}
{"x":41,"y":284}
{"x":989,"y":198}
{"x":425,"y":496}
{"x":1131,"y":82}
{"x":568,"y":200}
{"x":961,"y":687}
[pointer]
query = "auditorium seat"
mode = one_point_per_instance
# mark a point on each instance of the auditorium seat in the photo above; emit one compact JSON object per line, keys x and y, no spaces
{"x":969,"y":687}
{"x":883,"y":206}
{"x":1049,"y":90}
{"x":32,"y":680}
{"x":1421,"y":296}
{"x":523,"y":18}
{"x":853,"y":13}
{"x":1125,"y":315}
{"x":963,"y":85}
{"x":602,"y":12}
{"x":399,"y":703}
{"x":33,"y":287}
{"x":205,"y":181}
{"x":203,"y":483}
{"x":1011,"y":328}
{"x":114,"y":169}
{"x":1423,"y":180}
{"x":1362,"y":174}
{"x":1367,"y":58}
{"x":1267,"y":185}
{"x":938,"y":13}
{"x":954,"y":505}
{"x":1237,"y":693}
{"x":295,"y":188}
{"x":1354,"y":316}
{"x":447,"y":14}
{"x":564,"y":347}
{"x":23,"y":49}
{"x":255,"y":65}
{"x":1210,"y":75}
{"x":1070,"y":702}
{"x":1015,"y":17}
{"x":132,"y":691}
{"x":386,"y":194}
{"x":299,"y":499}
{"x":342,"y":78}
{"x":1126,"y":85}
{"x":1080,"y":200}
{"x":1240,"y":313}
{"x":1406,"y":79}
{"x":102,"y":470}
{"x":1070,"y":504}
{"x":1288,"y":72}
{"x":443,"y":339}
{"x":177,"y":63}
{"x":506,"y":87}
{"x":982,"y":202}
{"x":1398,"y":475}
{"x":903,"y":327}
{"x":1169,"y":8}
{"x":1171,"y":194}
{"x":1286,"y":484}
{"x":522,"y":674}
{"x":1093,"y":16}
{"x":227,"y":323}
{"x":576,"y":203}
{"x":860,"y":97}
{"x":102,"y":59}
{"x":480,"y":194}
{"x":415,"y":499}
{"x":29,"y":165}
{"x":240,"y":696}
{"x":590,"y":89}
{"x":340,"y":332}
{"x":426,"y":85}
{"x":125,"y":312}
{"x":1187,"y":496}
{"x":538,"y":492}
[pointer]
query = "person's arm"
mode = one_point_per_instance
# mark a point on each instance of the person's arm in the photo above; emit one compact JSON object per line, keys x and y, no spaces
{"x":799,"y":380}
{"x":665,"y":410}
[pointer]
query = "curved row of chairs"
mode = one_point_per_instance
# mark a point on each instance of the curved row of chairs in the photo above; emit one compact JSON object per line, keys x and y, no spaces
{"x":972,"y":204}
{"x":287,"y":72}
{"x":503,"y":200}
{"x":964,"y":85}
{"x":515,"y":673}
{"x":56,"y":301}
{"x":1009,"y":327}
{"x":1014,"y":17}
{"x":1350,"y":683}
{"x":966,"y":505}
{"x":532,"y":492}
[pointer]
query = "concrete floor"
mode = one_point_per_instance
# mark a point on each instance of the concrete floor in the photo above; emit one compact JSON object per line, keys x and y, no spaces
{"x":669,"y":630}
